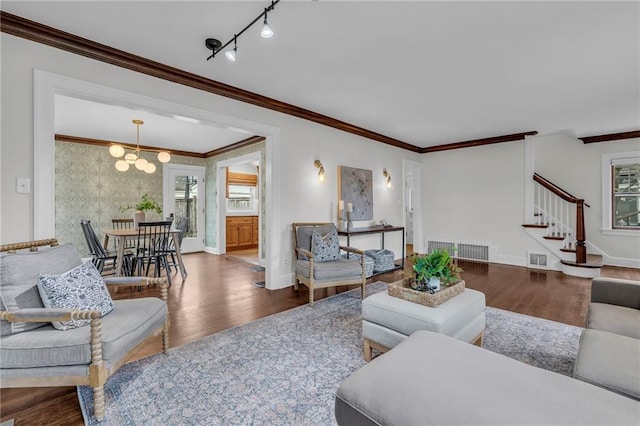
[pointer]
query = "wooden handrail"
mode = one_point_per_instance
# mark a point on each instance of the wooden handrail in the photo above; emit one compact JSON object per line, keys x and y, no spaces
{"x":581,"y":235}
{"x":565,"y":195}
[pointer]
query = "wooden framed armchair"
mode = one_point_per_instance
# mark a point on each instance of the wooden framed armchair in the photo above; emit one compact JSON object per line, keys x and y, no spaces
{"x":315,"y":272}
{"x":35,"y":354}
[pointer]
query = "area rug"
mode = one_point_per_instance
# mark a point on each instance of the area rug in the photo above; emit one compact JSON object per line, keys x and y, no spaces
{"x":285,"y":369}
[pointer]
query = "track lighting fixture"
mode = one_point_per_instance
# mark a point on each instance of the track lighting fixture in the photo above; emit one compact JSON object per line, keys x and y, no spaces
{"x":216,"y":45}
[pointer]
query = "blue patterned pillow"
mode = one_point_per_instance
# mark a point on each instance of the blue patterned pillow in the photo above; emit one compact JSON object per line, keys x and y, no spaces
{"x":80,"y":288}
{"x":325,"y":248}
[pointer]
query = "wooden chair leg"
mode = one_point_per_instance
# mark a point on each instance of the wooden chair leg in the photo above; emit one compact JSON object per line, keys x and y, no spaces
{"x":165,"y":337}
{"x":479,"y":339}
{"x":311,"y":296}
{"x":368,"y":350}
{"x":98,"y":402}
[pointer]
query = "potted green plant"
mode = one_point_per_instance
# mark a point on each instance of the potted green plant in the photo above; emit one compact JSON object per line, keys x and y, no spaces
{"x":146,"y":204}
{"x":434,"y":269}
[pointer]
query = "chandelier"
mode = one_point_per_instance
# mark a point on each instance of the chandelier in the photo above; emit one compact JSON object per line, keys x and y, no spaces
{"x":133,"y":157}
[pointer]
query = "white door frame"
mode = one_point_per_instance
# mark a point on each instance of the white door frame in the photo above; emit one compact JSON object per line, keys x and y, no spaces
{"x":416,"y":168}
{"x":222,"y":204}
{"x":169,"y":171}
{"x":46,"y":85}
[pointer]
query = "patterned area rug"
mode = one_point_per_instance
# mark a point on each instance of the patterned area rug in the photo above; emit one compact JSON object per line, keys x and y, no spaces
{"x":285,"y":369}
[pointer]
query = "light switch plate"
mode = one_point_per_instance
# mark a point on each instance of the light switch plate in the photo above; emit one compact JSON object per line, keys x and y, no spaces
{"x":23,"y":186}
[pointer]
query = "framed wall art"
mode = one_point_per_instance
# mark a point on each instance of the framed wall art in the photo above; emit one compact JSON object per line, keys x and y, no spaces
{"x":355,"y":190}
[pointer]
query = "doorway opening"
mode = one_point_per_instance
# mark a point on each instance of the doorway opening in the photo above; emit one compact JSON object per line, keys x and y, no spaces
{"x":241,"y":198}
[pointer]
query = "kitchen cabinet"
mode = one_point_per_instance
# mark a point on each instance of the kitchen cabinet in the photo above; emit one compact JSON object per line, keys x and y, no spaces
{"x":242,"y":232}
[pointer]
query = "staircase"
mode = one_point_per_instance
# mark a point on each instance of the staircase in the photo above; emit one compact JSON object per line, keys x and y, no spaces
{"x":558,"y":226}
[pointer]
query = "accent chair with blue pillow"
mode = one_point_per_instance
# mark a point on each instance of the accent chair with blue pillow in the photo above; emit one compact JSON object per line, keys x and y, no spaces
{"x":59,"y":326}
{"x":319,"y":263}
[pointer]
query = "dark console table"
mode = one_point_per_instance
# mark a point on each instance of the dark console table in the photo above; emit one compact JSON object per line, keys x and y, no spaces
{"x":378,"y":229}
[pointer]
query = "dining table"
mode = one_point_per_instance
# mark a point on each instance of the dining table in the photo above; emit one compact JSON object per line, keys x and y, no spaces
{"x":122,"y":235}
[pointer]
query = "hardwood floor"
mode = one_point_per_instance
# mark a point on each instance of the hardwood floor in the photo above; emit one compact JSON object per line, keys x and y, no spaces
{"x":219,"y":293}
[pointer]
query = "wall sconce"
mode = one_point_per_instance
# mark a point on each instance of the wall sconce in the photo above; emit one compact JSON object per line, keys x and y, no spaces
{"x":387,"y":176}
{"x":320,"y":168}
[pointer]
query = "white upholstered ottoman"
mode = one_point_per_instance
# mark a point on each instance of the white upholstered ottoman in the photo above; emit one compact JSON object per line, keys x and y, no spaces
{"x":388,"y":320}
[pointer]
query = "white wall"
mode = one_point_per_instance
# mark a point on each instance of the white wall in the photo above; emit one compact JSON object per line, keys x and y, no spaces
{"x":475,"y":195}
{"x":302,"y":197}
{"x":576,"y":168}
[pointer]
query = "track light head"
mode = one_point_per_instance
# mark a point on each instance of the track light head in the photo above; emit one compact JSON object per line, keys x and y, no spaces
{"x":266,"y":32}
{"x":231,"y":54}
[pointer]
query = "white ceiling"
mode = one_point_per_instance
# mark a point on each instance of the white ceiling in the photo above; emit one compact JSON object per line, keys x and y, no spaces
{"x":79,"y":117}
{"x":426,"y":73}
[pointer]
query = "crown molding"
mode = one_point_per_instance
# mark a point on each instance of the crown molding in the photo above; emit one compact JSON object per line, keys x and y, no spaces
{"x":611,"y":137}
{"x":478,"y":142}
{"x":107,"y":143}
{"x":240,"y":144}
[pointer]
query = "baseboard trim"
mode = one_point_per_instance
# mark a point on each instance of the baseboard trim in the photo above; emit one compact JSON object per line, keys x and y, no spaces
{"x":621,"y":261}
{"x":211,"y":250}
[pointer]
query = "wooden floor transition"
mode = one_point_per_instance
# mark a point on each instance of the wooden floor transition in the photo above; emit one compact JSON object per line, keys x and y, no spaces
{"x":219,"y":293}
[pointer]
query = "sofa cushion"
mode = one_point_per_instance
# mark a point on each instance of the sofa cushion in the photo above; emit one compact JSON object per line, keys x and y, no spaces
{"x":80,"y":288}
{"x":434,"y":379}
{"x":340,"y":269}
{"x":610,"y":361}
{"x":19,"y":281}
{"x":325,"y":248}
{"x":614,"y":319}
{"x":128,"y":324}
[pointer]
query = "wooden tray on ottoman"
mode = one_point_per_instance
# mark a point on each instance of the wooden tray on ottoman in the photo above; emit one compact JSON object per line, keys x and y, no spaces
{"x":402,"y":290}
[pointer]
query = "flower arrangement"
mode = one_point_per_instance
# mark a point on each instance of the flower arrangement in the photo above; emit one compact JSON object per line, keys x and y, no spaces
{"x":146,"y":203}
{"x":437,"y":264}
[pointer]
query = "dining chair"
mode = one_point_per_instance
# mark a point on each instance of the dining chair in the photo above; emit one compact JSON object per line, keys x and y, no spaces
{"x":124,"y":224}
{"x":182,"y":226}
{"x":152,"y":247}
{"x":101,"y":256}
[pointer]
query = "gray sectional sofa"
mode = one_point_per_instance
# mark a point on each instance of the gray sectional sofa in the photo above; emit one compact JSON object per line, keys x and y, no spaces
{"x":609,"y":354}
{"x":433,"y":379}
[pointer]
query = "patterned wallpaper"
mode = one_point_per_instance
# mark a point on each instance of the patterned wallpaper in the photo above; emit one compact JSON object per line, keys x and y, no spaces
{"x":89,"y":187}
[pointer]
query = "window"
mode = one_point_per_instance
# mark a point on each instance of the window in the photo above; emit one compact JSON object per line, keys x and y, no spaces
{"x":241,"y":198}
{"x":621,"y":192}
{"x":626,"y":196}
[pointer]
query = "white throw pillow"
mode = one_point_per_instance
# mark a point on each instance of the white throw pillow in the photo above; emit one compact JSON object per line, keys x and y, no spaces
{"x":80,"y":288}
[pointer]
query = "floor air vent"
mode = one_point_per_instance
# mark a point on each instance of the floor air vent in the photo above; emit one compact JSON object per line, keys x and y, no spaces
{"x":440,"y":245}
{"x":473,"y":252}
{"x":536,"y":259}
{"x":462,"y":251}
